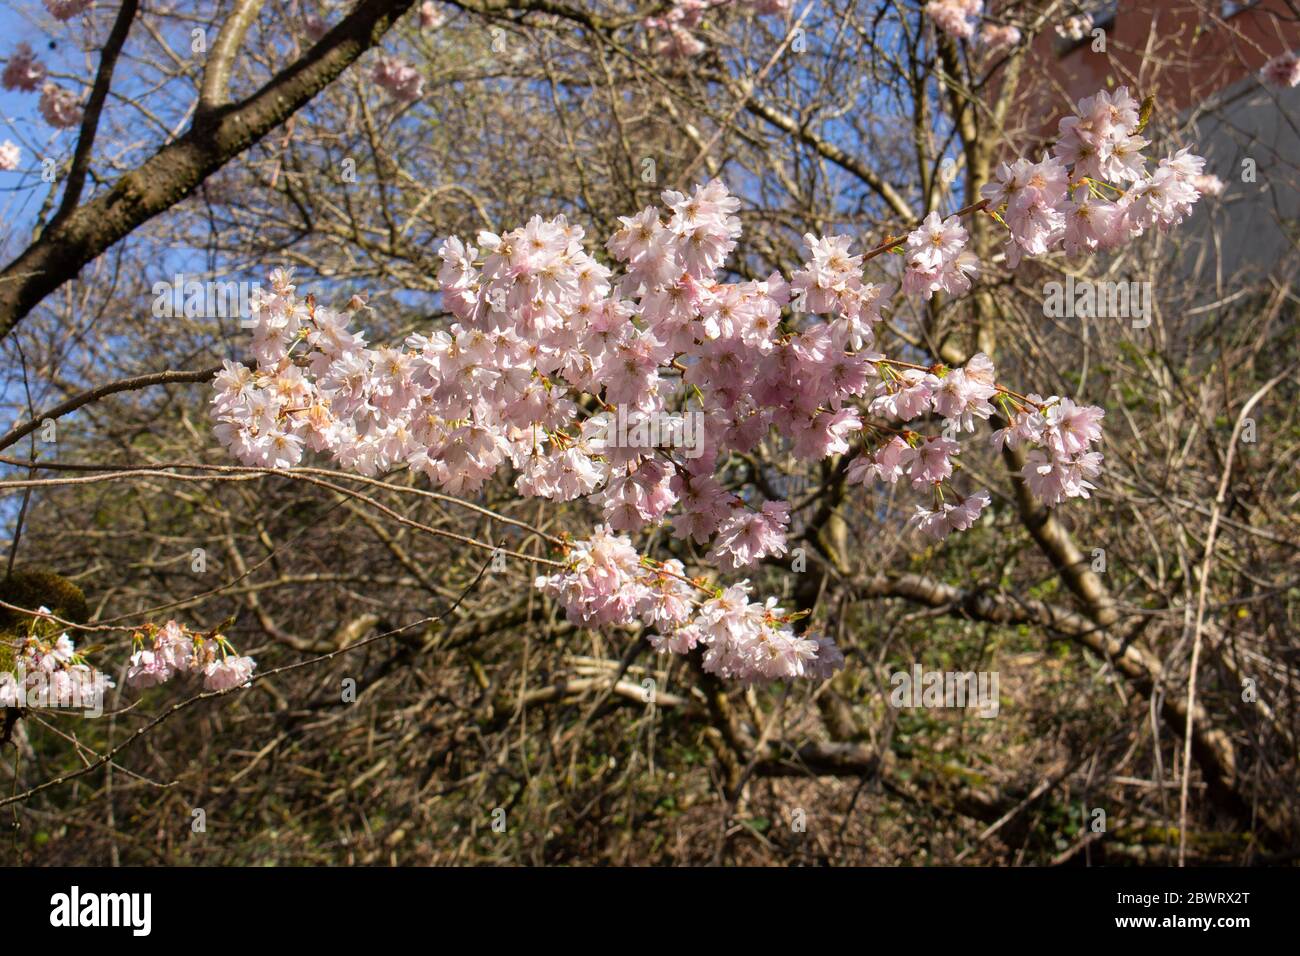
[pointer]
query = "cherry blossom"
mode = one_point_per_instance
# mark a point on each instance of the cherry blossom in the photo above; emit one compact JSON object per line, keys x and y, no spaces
{"x":747,"y":536}
{"x":997,"y":36}
{"x":950,"y":516}
{"x":48,"y":671}
{"x":1207,"y":184}
{"x":398,"y":78}
{"x":1283,"y":71}
{"x":549,"y":349}
{"x":431,"y":17}
{"x":955,"y":17}
{"x":1070,"y":197}
{"x":164,"y":652}
{"x":937,"y":258}
{"x":670,"y":34}
{"x":1061,"y":435}
{"x":67,"y":9}
{"x":1075,"y":27}
{"x":10,"y":156}
{"x":59,"y":107}
{"x":23,"y":72}
{"x":885,"y":464}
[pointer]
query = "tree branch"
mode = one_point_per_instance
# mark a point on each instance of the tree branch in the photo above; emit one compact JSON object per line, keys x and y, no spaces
{"x":90,"y":121}
{"x":179,"y":167}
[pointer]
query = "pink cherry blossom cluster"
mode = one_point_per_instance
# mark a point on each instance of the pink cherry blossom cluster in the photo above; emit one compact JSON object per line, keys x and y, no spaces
{"x":67,"y":9}
{"x":672,"y":36}
{"x":1069,"y":198}
{"x":175,"y":649}
{"x":1059,"y":432}
{"x":10,"y":156}
{"x":60,"y":108}
{"x":1283,"y":71}
{"x":548,"y":346}
{"x":431,"y":16}
{"x":23,"y":72}
{"x":1075,"y":27}
{"x":959,"y":397}
{"x":1207,"y":184}
{"x":314,"y":26}
{"x":957,"y":18}
{"x":47,"y":671}
{"x":1063,"y":460}
{"x":606,"y":582}
{"x":997,"y":36}
{"x":398,"y":78}
{"x":937,"y":258}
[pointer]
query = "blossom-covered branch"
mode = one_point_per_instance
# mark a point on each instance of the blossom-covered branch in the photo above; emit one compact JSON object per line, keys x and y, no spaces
{"x":584,"y":379}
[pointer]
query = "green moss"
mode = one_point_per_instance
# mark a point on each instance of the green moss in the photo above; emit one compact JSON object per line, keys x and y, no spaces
{"x":34,"y":587}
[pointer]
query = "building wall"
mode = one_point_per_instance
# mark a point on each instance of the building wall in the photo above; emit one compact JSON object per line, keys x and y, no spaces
{"x":1199,"y":51}
{"x":1200,"y":59}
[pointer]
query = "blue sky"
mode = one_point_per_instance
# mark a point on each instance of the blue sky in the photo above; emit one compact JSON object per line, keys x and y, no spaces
{"x":22,"y":192}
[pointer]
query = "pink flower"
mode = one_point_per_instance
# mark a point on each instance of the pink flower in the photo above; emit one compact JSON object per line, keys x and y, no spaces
{"x":667,"y":601}
{"x":59,"y":107}
{"x":955,"y":17}
{"x":748,"y":642}
{"x":936,"y":258}
{"x":545,"y":347}
{"x":672,"y":41}
{"x":950,"y":517}
{"x":430,"y":16}
{"x":930,"y":461}
{"x":827,"y":661}
{"x":705,"y":226}
{"x":1072,"y":428}
{"x":1035,"y":196}
{"x":749,"y":536}
{"x":67,"y":9}
{"x":1166,"y":197}
{"x":886,"y":464}
{"x":996,"y":37}
{"x":1283,"y":71}
{"x":314,"y":27}
{"x":1052,"y":479}
{"x":963,"y":394}
{"x":228,"y":672}
{"x":10,"y":156}
{"x":705,"y":505}
{"x":401,"y":80}
{"x":602,"y":583}
{"x":146,"y":670}
{"x":636,"y":498}
{"x":681,"y":640}
{"x":906,"y":398}
{"x":1207,"y":184}
{"x":826,"y":434}
{"x":1092,"y":223}
{"x":831,"y":279}
{"x":23,"y":71}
